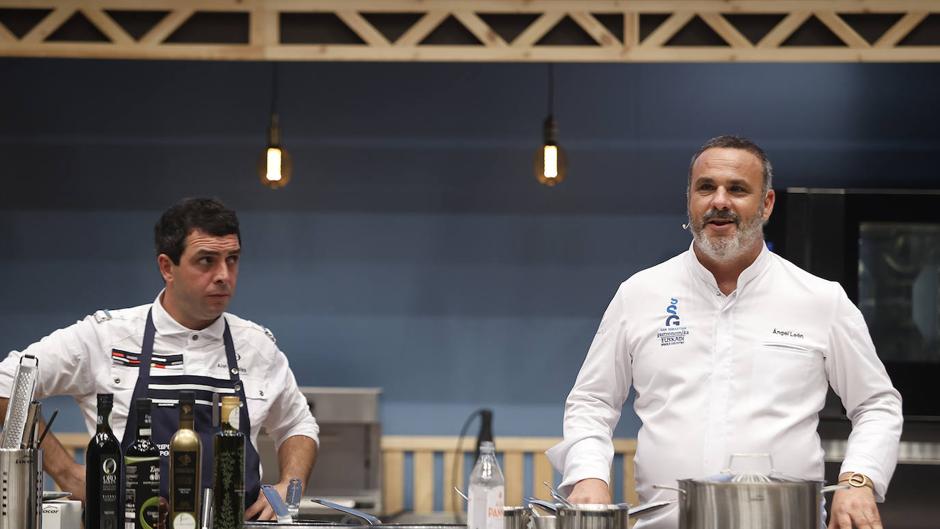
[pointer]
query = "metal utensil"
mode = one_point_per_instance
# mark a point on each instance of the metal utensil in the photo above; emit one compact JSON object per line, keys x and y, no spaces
{"x":276,"y":503}
{"x":557,"y":495}
{"x":294,"y":492}
{"x":648,"y":508}
{"x":24,"y":385}
{"x":49,"y":495}
{"x":550,"y":507}
{"x":366,"y":517}
{"x":48,"y":428}
{"x":32,"y":423}
{"x":207,"y":512}
{"x":461,"y":494}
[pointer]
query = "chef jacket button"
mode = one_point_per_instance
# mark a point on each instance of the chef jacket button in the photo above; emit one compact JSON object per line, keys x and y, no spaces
{"x":195,"y":337}
{"x":234,"y":371}
{"x":238,"y":387}
{"x":117,"y":380}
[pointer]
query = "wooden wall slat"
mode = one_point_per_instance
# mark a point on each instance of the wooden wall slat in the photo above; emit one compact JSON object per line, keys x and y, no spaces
{"x":393,"y":476}
{"x":423,"y":481}
{"x":452,"y":502}
{"x":513,"y":471}
{"x":541,"y":472}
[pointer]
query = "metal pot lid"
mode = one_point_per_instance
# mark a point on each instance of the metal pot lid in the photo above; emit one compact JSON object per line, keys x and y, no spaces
{"x":592,"y":507}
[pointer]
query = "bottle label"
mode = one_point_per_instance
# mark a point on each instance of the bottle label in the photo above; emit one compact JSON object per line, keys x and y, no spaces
{"x":109,"y":487}
{"x":141,"y":492}
{"x":233,"y":418}
{"x":485,"y":508}
{"x":185,"y":490}
{"x":184,"y":520}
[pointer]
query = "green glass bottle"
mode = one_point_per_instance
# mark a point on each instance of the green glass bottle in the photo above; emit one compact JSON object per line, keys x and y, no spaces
{"x":229,"y":469}
{"x":142,"y":475}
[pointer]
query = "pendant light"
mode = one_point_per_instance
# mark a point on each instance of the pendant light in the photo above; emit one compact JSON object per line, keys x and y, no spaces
{"x":274,"y":164}
{"x":550,"y":160}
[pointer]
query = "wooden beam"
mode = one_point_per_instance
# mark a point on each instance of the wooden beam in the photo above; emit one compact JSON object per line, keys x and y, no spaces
{"x":595,"y":29}
{"x":842,"y":30}
{"x":6,"y":36}
{"x":264,"y":28}
{"x":631,"y":29}
{"x":363,"y":28}
{"x":48,"y":25}
{"x":480,"y":29}
{"x":784,"y":29}
{"x":423,"y":482}
{"x":170,"y":23}
{"x":667,"y":29}
{"x":499,"y":6}
{"x":725,"y":30}
{"x":107,"y":25}
{"x":900,"y":29}
{"x":537,"y":29}
{"x":422,"y":28}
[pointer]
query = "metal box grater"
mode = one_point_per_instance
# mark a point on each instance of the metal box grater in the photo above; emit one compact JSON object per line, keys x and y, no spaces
{"x":24,"y":384}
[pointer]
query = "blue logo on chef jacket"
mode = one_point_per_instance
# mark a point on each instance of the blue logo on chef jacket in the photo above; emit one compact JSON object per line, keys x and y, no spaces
{"x":672,"y":332}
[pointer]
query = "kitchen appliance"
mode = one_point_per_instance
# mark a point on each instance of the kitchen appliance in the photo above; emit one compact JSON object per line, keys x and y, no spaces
{"x":350,"y":432}
{"x":21,"y":491}
{"x":883,"y":247}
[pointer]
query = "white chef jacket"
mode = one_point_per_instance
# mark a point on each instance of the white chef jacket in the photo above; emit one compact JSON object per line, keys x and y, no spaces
{"x":91,"y":357}
{"x":716,"y":375}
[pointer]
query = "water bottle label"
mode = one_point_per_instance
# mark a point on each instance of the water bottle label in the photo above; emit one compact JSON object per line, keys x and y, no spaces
{"x":485,"y":509}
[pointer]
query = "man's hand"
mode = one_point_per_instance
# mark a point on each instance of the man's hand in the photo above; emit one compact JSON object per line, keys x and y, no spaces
{"x":591,"y":490}
{"x":854,"y":508}
{"x":262,"y":509}
{"x":72,"y":479}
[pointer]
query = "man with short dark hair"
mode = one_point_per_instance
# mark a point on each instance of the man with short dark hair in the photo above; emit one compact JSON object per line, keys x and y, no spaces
{"x":730,"y":349}
{"x":183,"y":341}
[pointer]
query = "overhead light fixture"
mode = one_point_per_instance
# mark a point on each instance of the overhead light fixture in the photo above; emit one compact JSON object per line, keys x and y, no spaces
{"x":274,"y":165}
{"x":550,"y":165}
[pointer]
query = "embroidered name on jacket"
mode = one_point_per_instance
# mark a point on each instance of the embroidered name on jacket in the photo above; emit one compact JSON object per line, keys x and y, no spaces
{"x":127,"y":358}
{"x":672,"y":332}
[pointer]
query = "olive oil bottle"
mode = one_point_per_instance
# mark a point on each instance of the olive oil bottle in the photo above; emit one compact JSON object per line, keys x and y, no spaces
{"x":229,"y":469}
{"x":142,"y":475}
{"x":185,"y":467}
{"x":103,"y":480}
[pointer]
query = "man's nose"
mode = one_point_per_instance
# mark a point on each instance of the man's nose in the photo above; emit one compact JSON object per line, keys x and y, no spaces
{"x":222,"y":272}
{"x":721,"y":199}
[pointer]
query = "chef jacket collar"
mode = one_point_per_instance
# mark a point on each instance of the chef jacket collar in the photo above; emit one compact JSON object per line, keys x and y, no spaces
{"x":165,"y":325}
{"x":754,"y":270}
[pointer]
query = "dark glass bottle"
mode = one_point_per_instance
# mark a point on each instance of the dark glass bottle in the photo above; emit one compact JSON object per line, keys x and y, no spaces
{"x":229,"y":469}
{"x":185,"y":467}
{"x":103,"y":472}
{"x":142,"y":475}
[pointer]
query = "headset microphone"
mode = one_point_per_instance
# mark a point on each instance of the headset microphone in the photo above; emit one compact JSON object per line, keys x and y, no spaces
{"x":685,"y":226}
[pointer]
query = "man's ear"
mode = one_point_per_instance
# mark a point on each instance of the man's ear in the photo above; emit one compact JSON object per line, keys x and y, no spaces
{"x":165,"y":264}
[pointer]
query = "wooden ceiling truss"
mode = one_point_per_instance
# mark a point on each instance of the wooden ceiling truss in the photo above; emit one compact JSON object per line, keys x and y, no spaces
{"x":482,"y":31}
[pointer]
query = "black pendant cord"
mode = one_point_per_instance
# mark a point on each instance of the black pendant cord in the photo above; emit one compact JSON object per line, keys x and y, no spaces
{"x":274,"y":72}
{"x":551,"y":89}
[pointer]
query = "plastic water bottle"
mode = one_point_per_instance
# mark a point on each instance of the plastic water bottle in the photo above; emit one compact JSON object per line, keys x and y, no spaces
{"x":487,"y":491}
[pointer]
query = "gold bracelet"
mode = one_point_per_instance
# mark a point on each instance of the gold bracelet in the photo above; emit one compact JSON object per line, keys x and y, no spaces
{"x":857,"y":480}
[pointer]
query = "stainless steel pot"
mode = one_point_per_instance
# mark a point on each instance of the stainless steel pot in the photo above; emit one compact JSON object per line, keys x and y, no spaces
{"x":591,"y":516}
{"x":750,"y":501}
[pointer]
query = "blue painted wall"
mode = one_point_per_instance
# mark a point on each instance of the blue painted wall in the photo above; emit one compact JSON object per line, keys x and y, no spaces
{"x":414,"y":250}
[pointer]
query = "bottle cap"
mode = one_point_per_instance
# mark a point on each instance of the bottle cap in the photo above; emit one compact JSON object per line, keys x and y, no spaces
{"x":142,"y":405}
{"x":188,"y":397}
{"x":487,"y":446}
{"x":105,"y":399}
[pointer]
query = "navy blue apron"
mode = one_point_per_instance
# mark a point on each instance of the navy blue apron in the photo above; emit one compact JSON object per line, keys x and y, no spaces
{"x":163,"y":389}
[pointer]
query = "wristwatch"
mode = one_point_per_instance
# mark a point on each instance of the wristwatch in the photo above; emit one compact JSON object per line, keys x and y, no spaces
{"x":857,"y":480}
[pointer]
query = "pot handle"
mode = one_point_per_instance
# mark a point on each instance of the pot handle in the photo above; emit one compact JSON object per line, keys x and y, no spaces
{"x":366,"y":517}
{"x":664,"y":487}
{"x":832,"y":488}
